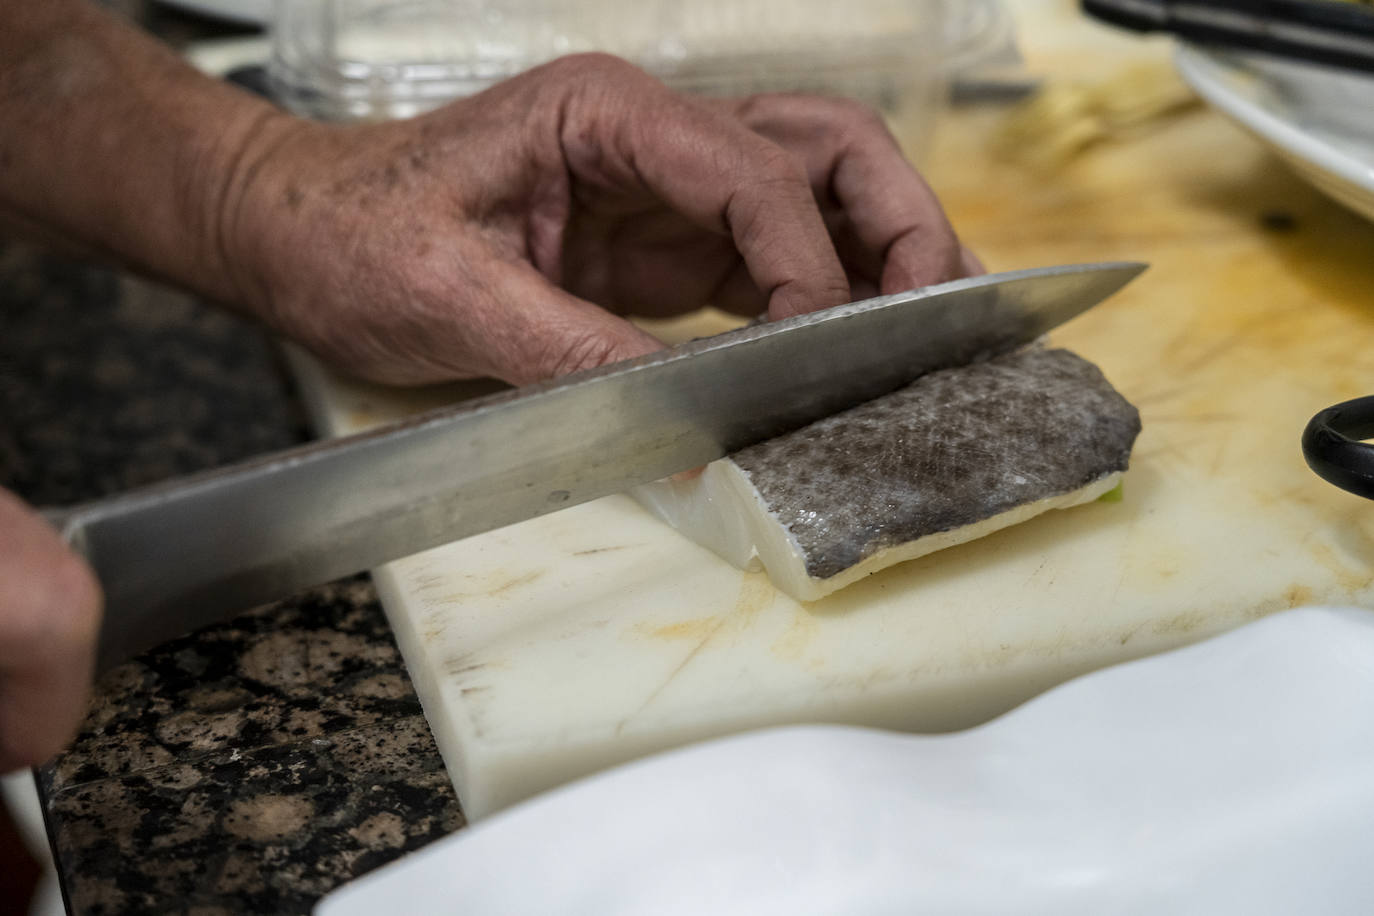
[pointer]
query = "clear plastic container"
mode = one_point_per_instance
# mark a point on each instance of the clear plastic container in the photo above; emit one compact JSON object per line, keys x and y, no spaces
{"x":351,"y":60}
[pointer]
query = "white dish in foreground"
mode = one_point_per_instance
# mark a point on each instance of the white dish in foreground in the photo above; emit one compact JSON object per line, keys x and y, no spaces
{"x":1226,"y":777}
{"x":1317,"y":119}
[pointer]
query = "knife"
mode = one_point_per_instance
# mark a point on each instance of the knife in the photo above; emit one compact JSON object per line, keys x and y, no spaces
{"x":192,"y":551}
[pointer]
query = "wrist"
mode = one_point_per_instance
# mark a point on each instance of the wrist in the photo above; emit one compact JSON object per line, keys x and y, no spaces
{"x":240,"y":214}
{"x":115,"y":146}
{"x":266,"y":218}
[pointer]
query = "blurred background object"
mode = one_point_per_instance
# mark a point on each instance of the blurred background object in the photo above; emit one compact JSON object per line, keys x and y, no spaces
{"x":1063,"y":119}
{"x":1337,"y":33}
{"x":253,"y":12}
{"x":359,"y":60}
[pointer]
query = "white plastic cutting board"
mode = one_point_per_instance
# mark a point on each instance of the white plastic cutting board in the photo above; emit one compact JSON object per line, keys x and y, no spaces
{"x":559,"y":646}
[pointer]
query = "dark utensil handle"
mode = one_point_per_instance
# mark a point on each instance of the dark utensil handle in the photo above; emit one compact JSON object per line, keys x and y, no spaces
{"x":1320,"y":31}
{"x":1333,"y":448}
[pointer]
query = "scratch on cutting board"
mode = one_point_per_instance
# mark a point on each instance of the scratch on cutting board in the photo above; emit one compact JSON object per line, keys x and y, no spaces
{"x":800,"y":631}
{"x":594,"y":550}
{"x":1144,"y":399}
{"x":1299,"y":494}
{"x":1166,"y":454}
{"x":462,"y":664}
{"x":518,"y":581}
{"x":1218,"y":417}
{"x":449,"y":598}
{"x":1211,"y":354}
{"x":687,"y":660}
{"x":756,"y":594}
{"x":1180,"y":624}
{"x":1219,"y":458}
{"x":1038,"y":569}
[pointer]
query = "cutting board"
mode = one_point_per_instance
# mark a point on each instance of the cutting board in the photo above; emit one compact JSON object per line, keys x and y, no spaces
{"x":562,"y":645}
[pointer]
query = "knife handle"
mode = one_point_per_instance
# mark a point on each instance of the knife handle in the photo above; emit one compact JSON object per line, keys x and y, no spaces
{"x":1336,"y":34}
{"x":1333,"y":446}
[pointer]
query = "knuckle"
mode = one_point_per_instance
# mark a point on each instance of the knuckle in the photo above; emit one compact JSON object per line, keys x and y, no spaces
{"x":849,"y":121}
{"x":819,"y":114}
{"x":861,"y":116}
{"x":580,"y":351}
{"x":774,"y":169}
{"x":600,"y":65}
{"x":778,"y":164}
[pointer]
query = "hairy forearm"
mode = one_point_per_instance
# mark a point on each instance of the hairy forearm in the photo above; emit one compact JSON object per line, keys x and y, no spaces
{"x":110,"y":143}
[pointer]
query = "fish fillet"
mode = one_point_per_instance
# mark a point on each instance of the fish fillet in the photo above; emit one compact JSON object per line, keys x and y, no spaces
{"x":954,"y":456}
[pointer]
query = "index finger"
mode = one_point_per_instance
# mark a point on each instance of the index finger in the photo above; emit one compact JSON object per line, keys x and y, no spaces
{"x":855,"y":160}
{"x":728,"y":179}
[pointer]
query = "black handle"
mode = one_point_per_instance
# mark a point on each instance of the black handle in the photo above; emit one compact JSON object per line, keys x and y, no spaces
{"x":1321,"y":31}
{"x":1331,"y":444}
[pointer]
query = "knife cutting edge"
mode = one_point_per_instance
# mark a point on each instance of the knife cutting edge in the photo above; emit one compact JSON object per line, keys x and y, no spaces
{"x":192,"y":551}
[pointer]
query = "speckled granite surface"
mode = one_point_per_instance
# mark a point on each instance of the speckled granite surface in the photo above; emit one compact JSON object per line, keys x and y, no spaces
{"x":250,"y":767}
{"x":253,"y":766}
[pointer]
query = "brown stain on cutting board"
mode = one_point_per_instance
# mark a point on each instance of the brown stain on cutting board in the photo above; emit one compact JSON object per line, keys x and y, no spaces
{"x":1298,"y":595}
{"x":1320,"y":243}
{"x":756,"y":594}
{"x":496,"y":585}
{"x":516,"y":582}
{"x":1347,"y":577}
{"x":1185,"y":624}
{"x":697,"y":628}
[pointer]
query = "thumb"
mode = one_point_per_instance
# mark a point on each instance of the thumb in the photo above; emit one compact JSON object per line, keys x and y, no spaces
{"x":546,"y":332}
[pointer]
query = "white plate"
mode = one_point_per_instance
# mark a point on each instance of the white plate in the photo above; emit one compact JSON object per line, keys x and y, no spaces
{"x":1231,"y":776}
{"x":251,"y":12}
{"x":1318,"y":119}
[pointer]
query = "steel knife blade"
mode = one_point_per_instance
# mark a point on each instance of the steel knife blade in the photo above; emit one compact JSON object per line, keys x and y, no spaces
{"x":188,"y":552}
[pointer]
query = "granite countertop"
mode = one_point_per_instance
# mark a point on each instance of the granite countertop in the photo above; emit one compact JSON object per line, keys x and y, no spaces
{"x":255,"y":765}
{"x":252,"y":766}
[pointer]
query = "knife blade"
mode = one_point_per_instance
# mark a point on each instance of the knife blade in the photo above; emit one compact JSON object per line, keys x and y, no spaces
{"x":192,"y":551}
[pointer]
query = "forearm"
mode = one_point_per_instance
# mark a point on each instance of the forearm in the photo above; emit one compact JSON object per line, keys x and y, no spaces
{"x":110,"y":143}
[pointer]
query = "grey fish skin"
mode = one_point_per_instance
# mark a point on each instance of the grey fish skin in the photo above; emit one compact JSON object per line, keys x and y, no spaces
{"x":954,"y":448}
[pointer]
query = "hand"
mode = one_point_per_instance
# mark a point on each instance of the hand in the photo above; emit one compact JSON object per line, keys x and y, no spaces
{"x":474,"y":240}
{"x":49,"y":616}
